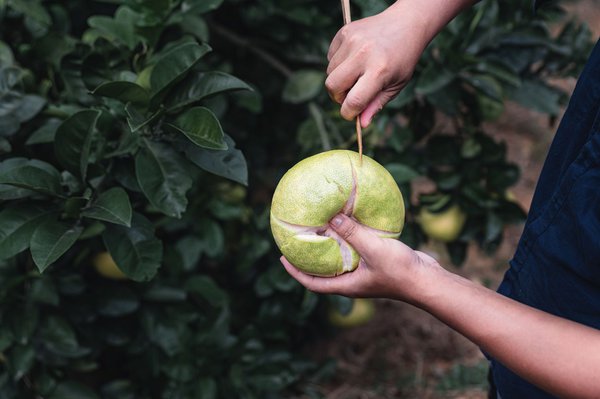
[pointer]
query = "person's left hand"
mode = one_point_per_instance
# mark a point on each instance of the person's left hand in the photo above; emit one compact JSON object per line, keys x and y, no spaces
{"x":388,"y":268}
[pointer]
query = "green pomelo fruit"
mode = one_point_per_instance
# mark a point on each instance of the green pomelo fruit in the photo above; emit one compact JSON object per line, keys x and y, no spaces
{"x":361,"y":313}
{"x":443,"y":226}
{"x":316,"y":189}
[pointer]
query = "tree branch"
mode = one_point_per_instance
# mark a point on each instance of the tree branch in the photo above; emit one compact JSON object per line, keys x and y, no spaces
{"x":259,"y":52}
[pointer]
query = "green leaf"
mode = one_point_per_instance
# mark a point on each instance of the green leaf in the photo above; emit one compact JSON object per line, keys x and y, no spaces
{"x":206,"y":288}
{"x":433,"y":78}
{"x":229,"y":164}
{"x":406,"y":96}
{"x":126,"y":92}
{"x":196,"y":26}
{"x":371,"y":7}
{"x":30,"y":175}
{"x":17,"y":224}
{"x":206,"y":388}
{"x":401,"y":173}
{"x":212,"y":236}
{"x":486,"y":85}
{"x":190,"y":249}
{"x":200,"y":6}
{"x":309,"y":303}
{"x":119,"y":389}
{"x":46,"y":133}
{"x":73,"y":390}
{"x":10,"y":192}
{"x":5,"y":147}
{"x":120,"y":29}
{"x":493,"y":227}
{"x":23,"y":320}
{"x":174,"y":65}
{"x":58,"y":337}
{"x":537,"y":96}
{"x":111,"y":206}
{"x":73,"y":141}
{"x":202,"y":127}
{"x":163,"y":177}
{"x":6,"y":337}
{"x":22,"y":359}
{"x":199,"y":86}
{"x":51,"y":240}
{"x":15,"y":107}
{"x":119,"y":301}
{"x":165,"y":294}
{"x":6,"y":55}
{"x":9,"y":78}
{"x":25,"y":106}
{"x":470,"y":148}
{"x":447,"y":100}
{"x":44,"y":291}
{"x":52,"y":47}
{"x":33,"y":10}
{"x":303,"y":86}
{"x":136,"y":251}
{"x":490,"y":109}
{"x":137,"y":118}
{"x":29,"y":107}
{"x":500,"y":72}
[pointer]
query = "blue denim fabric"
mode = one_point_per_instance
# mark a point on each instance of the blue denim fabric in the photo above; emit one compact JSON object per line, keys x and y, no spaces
{"x":556,"y":267}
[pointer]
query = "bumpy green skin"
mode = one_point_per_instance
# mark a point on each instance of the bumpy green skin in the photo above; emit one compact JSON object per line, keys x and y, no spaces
{"x":315,"y":190}
{"x":321,"y":257}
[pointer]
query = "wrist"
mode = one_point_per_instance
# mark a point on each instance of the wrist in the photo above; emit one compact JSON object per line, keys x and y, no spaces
{"x":433,"y":284}
{"x":431,"y":16}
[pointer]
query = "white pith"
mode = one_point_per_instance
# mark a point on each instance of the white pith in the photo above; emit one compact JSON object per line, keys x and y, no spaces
{"x":321,"y":233}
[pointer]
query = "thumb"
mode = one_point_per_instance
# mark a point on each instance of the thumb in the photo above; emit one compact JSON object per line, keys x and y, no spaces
{"x":365,"y":242}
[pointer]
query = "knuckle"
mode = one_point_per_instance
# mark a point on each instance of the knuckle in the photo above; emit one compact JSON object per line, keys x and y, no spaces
{"x":354,"y":103}
{"x":349,"y":232}
{"x":363,"y":50}
{"x":381,"y":70}
{"x":330,"y":84}
{"x":345,"y":33}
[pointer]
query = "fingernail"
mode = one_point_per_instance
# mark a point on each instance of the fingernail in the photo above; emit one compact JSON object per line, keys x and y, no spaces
{"x":337,"y":221}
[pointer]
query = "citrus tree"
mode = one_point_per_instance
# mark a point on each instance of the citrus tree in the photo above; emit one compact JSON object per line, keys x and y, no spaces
{"x":145,"y":137}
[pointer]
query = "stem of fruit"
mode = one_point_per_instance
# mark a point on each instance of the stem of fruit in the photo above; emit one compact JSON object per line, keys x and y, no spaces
{"x":347,"y":19}
{"x":346,"y":11}
{"x":359,"y":138}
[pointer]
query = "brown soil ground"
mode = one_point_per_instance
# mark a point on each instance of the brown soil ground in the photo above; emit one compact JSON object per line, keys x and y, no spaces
{"x":406,"y":353}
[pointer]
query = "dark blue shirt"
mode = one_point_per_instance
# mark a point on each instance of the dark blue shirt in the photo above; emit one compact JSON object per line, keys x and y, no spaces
{"x":556,"y":267}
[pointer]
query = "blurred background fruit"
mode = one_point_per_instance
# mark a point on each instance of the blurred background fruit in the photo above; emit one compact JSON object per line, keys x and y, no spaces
{"x":361,"y":312}
{"x":444,"y":225}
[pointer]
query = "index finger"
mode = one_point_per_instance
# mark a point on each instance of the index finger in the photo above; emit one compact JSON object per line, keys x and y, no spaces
{"x":335,"y":44}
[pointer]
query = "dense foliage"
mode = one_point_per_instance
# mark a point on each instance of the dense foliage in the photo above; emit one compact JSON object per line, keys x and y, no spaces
{"x":121,"y":124}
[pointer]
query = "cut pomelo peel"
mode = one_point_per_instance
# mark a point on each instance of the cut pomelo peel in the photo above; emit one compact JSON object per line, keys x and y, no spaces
{"x":320,"y":187}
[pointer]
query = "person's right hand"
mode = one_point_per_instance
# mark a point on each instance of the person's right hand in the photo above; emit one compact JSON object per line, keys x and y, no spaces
{"x":372,"y":59}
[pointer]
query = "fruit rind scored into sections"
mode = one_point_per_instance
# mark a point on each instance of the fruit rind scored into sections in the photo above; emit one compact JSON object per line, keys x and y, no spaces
{"x":316,"y":189}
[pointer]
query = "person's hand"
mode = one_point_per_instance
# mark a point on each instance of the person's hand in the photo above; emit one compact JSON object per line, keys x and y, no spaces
{"x":388,"y":268}
{"x":372,"y":59}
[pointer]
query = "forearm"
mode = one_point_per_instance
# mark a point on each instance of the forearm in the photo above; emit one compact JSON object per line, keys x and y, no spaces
{"x":434,"y":15}
{"x":555,"y":354}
